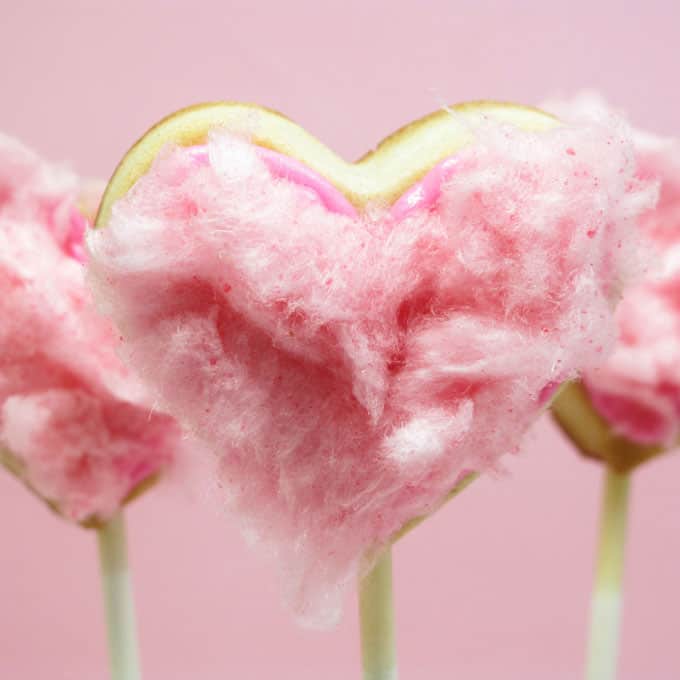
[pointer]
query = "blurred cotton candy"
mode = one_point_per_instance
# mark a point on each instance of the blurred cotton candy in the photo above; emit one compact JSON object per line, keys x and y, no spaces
{"x":349,"y":370}
{"x":74,"y":424}
{"x":638,"y":389}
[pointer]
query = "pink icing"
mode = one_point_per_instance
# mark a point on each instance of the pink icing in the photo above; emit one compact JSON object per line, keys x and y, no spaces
{"x":285,"y":167}
{"x":421,"y":196}
{"x":425,"y":193}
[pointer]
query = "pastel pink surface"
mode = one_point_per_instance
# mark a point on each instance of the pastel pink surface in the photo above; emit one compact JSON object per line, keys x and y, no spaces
{"x":70,"y":413}
{"x":348,"y":368}
{"x":638,"y":388}
{"x":212,"y":610}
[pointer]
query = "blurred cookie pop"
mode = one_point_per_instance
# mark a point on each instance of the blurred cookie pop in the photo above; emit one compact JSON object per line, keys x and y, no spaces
{"x":627,"y":410}
{"x":75,"y":426}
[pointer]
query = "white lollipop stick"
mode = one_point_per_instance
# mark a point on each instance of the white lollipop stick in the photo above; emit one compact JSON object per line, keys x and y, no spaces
{"x":118,"y":601}
{"x":376,"y":618}
{"x":605,"y":618}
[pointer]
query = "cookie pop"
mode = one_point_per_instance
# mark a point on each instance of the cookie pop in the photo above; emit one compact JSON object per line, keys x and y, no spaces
{"x":75,"y":426}
{"x":353,"y":341}
{"x":627,"y":410}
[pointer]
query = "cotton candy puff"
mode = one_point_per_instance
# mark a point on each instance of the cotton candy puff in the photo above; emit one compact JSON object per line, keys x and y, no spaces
{"x":347,"y":370}
{"x":637,"y":390}
{"x":75,"y":425}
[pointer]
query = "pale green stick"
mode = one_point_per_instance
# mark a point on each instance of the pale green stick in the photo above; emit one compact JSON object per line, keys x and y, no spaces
{"x":605,"y":621}
{"x":376,"y":618}
{"x":118,"y":602}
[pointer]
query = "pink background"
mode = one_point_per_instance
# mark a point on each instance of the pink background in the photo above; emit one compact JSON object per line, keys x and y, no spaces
{"x":496,"y":585}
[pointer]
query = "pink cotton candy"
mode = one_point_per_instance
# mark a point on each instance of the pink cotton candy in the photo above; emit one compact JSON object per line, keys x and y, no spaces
{"x":348,"y":370}
{"x":74,"y":424}
{"x":638,"y":388}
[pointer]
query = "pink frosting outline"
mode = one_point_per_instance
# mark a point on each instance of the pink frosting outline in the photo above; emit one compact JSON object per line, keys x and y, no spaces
{"x":422,"y":195}
{"x":425,"y":193}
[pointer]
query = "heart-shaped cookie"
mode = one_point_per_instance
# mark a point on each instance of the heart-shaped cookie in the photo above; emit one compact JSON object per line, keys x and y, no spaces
{"x":75,"y":426}
{"x":354,"y":339}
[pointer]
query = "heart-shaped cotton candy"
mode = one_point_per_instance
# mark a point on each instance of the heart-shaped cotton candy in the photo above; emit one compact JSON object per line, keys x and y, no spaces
{"x":75,"y":425}
{"x":637,"y":389}
{"x":349,"y":370}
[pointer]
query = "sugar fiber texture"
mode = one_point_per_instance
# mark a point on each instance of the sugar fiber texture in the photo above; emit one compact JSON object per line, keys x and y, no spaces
{"x":348,"y":370}
{"x":638,"y":388}
{"x":74,"y":424}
